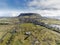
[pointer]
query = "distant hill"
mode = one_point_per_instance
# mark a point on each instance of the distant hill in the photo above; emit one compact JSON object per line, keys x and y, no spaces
{"x":39,"y":33}
{"x":28,"y":14}
{"x":27,"y":17}
{"x":31,"y":31}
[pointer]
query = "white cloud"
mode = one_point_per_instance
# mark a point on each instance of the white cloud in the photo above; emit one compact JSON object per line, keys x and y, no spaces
{"x":46,"y":12}
{"x":41,"y":12}
{"x":50,"y":12}
{"x":48,"y":5}
{"x":45,"y":4}
{"x":45,"y":7}
{"x":11,"y":13}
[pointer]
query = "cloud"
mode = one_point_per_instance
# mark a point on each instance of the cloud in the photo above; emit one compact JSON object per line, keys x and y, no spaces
{"x":41,"y":12}
{"x":10,"y":13}
{"x":50,"y":12}
{"x":45,"y":4}
{"x":43,"y":7}
{"x":46,"y":12}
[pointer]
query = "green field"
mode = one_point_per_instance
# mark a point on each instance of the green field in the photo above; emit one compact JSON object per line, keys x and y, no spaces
{"x":51,"y":21}
{"x":15,"y":34}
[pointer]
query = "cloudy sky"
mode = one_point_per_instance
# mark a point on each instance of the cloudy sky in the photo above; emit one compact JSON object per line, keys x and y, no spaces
{"x":43,"y":7}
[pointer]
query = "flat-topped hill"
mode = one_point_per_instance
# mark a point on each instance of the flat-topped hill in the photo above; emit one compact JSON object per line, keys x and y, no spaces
{"x":29,"y":17}
{"x":28,"y":14}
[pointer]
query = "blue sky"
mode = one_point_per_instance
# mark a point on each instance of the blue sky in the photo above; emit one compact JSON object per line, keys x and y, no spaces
{"x":12,"y":4}
{"x":43,"y":7}
{"x":8,"y":7}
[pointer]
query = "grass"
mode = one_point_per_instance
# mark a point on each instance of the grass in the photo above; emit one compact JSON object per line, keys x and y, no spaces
{"x":51,"y":21}
{"x":2,"y":34}
{"x":43,"y":35}
{"x":5,"y":39}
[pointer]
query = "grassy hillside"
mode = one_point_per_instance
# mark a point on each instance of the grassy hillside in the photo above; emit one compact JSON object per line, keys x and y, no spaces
{"x":51,"y":21}
{"x":38,"y":35}
{"x":27,"y":33}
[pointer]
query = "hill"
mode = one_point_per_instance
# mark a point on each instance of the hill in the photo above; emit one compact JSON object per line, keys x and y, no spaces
{"x":45,"y":36}
{"x":27,"y":29}
{"x":28,"y":17}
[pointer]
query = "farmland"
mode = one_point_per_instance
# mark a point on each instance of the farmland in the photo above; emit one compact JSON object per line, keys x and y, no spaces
{"x":51,"y":21}
{"x":18,"y":38}
{"x":27,"y":33}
